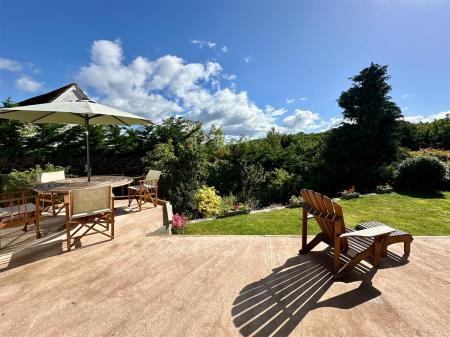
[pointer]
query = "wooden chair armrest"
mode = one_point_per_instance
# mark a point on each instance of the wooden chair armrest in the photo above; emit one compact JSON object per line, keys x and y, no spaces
{"x":370,"y":232}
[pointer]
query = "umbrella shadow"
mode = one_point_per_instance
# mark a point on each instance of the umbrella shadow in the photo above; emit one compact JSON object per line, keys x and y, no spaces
{"x":276,"y":304}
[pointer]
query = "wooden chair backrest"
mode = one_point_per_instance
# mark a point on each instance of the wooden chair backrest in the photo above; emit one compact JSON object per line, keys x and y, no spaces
{"x":90,"y":200}
{"x":327,"y":213}
{"x":153,"y":175}
{"x":46,"y":177}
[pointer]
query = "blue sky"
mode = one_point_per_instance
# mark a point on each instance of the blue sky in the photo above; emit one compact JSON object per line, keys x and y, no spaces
{"x":244,"y":65}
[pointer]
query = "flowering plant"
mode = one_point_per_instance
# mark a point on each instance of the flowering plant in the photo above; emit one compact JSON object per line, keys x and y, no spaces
{"x":349,"y":194}
{"x":178,"y":223}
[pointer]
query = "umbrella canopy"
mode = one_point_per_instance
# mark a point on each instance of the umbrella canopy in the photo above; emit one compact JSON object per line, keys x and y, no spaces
{"x":72,"y":113}
{"x":75,"y":112}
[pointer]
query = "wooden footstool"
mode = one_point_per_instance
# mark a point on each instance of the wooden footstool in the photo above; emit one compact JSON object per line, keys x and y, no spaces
{"x":394,"y":237}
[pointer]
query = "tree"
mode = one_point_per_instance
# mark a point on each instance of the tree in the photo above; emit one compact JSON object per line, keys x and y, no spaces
{"x":359,"y":152}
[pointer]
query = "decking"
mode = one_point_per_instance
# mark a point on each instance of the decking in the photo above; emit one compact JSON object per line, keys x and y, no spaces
{"x":148,"y":285}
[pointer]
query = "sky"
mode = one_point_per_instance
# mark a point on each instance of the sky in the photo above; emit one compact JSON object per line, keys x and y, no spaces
{"x":246,"y":66}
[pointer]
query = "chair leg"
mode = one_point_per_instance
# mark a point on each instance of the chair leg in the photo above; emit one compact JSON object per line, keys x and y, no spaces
{"x":346,"y":268}
{"x":311,"y":244}
{"x":53,"y":204}
{"x":129,"y":197}
{"x":407,"y":247}
{"x":68,"y":236}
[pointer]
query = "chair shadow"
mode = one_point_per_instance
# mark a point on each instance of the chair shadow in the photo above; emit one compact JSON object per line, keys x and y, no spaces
{"x":276,"y":304}
{"x":52,"y":245}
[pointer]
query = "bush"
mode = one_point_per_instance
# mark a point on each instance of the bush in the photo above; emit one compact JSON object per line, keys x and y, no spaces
{"x":207,"y":201}
{"x":349,"y":194}
{"x":424,"y":173}
{"x":295,"y":201}
{"x":25,"y":180}
{"x":383,"y":189}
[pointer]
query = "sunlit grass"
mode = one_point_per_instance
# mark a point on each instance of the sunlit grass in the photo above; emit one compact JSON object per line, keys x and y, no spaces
{"x":417,"y":215}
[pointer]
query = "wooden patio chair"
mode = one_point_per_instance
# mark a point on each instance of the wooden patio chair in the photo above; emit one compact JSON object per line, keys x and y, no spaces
{"x":19,"y":209}
{"x":357,"y":245}
{"x":146,"y":189}
{"x":49,"y":200}
{"x":92,"y":208}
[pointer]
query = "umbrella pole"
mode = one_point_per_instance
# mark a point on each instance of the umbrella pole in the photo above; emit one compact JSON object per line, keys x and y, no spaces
{"x":88,"y":163}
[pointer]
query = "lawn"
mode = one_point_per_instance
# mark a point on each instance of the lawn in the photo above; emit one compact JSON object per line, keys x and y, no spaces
{"x":413,"y":214}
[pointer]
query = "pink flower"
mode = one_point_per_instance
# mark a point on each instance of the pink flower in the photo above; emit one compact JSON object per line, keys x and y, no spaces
{"x":237,"y":206}
{"x":178,"y":221}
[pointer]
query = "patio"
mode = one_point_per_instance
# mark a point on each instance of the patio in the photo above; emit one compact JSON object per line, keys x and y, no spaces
{"x":143,"y":284}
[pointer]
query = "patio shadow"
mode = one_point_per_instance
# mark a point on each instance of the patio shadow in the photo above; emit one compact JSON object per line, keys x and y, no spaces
{"x":275,"y":305}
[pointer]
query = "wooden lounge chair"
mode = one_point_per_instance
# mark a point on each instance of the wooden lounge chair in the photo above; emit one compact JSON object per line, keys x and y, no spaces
{"x":146,"y":189}
{"x":49,"y":200}
{"x":19,"y":209}
{"x":92,"y":208}
{"x":357,"y":245}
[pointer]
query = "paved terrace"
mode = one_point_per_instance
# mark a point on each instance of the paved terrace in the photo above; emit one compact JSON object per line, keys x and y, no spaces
{"x":146,"y":285}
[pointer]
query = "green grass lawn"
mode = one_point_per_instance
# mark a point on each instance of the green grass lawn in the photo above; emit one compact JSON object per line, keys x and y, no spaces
{"x":416,"y":215}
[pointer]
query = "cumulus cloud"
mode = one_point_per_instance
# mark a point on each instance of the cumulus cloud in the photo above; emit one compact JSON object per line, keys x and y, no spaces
{"x":224,"y":49}
{"x":25,"y":83}
{"x":170,"y":86}
{"x":427,"y":119}
{"x":302,"y":99}
{"x":7,"y":64}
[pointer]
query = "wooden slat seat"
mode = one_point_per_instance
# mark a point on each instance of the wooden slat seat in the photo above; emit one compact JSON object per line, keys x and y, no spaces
{"x":356,"y":244}
{"x":394,"y":237}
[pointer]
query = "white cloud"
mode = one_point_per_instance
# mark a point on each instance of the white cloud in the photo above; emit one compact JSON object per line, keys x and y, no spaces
{"x":290,"y":100}
{"x":7,"y":64}
{"x":427,"y":119}
{"x":171,"y":86}
{"x":301,"y":120}
{"x":409,"y":95}
{"x":308,"y":121}
{"x":248,"y":59}
{"x":25,"y":83}
{"x":224,"y":49}
{"x":275,"y":112}
{"x":229,"y":77}
{"x":302,"y":99}
{"x":202,"y":43}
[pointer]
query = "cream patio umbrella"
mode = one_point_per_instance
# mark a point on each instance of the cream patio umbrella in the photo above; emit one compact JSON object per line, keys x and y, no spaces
{"x":76,"y":112}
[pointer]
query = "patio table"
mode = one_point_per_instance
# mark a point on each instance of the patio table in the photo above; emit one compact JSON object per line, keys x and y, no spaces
{"x":69,"y":184}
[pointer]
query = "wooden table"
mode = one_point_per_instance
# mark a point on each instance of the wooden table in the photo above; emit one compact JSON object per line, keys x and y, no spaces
{"x":69,"y":184}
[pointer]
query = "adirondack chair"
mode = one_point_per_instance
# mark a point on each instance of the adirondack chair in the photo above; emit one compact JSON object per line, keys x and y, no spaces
{"x":357,"y":245}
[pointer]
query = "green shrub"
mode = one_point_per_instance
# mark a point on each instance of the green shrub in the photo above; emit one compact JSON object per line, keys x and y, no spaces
{"x":25,"y":180}
{"x":424,"y":173}
{"x":207,"y":201}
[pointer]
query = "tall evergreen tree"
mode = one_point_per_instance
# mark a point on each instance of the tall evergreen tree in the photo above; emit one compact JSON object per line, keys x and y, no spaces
{"x":359,"y":151}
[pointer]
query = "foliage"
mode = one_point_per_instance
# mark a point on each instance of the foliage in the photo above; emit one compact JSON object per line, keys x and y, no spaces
{"x":295,"y":201}
{"x":424,"y":173}
{"x":443,"y":155}
{"x":25,"y":180}
{"x":358,"y":152}
{"x":383,"y":189}
{"x":401,"y":211}
{"x":349,"y":194}
{"x":435,"y":134}
{"x":207,"y":201}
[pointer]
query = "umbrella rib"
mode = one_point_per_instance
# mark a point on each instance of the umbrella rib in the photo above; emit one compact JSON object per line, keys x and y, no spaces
{"x":46,"y":115}
{"x":121,"y":121}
